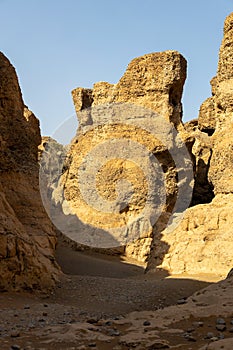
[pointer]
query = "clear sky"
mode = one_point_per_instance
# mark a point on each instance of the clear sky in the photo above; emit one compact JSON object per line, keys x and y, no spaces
{"x":58,"y":45}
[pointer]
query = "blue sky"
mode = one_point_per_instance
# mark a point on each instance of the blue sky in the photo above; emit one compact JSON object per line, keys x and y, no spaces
{"x":59,"y":45}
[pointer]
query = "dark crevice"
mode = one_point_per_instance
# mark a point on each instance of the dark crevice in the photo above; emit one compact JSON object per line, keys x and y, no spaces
{"x":203,"y":191}
{"x":208,"y":131}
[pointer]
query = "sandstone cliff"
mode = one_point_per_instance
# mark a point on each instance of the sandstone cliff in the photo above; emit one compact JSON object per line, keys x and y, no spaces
{"x":143,"y":108}
{"x":203,"y":242}
{"x":108,"y":112}
{"x":27,"y":237}
{"x":154,"y":81}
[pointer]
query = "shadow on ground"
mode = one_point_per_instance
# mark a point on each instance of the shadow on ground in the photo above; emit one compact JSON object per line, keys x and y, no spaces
{"x":107,"y":286}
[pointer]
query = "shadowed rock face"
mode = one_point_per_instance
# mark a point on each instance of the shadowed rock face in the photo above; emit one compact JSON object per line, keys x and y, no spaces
{"x":27,"y":238}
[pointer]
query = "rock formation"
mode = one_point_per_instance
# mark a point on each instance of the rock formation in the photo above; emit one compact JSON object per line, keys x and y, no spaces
{"x":154,"y":82}
{"x":203,"y":242}
{"x":197,"y":243}
{"x":27,"y":237}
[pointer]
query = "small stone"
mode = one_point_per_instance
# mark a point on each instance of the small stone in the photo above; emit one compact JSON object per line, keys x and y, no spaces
{"x":113,"y":333}
{"x":157,"y":344}
{"x":92,"y":320}
{"x":231,"y":330}
{"x":146,"y":323}
{"x":82,"y":313}
{"x":181,"y":301}
{"x":66,"y":313}
{"x":221,"y":327}
{"x":45,"y":314}
{"x":198,"y":324}
{"x":92,"y":345}
{"x":15,"y":347}
{"x":108,"y":323}
{"x":191,"y":338}
{"x":209,"y":335}
{"x":221,"y":336}
{"x":31,"y":325}
{"x":15,"y":334}
{"x":190,"y":330}
{"x":231,"y":321}
{"x":26,"y":307}
{"x":220,"y":321}
{"x":214,"y":339}
{"x":45,"y":305}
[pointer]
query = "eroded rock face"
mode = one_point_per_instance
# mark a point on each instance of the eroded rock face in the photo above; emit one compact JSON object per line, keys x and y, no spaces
{"x":27,"y":238}
{"x":154,"y":82}
{"x":203,"y":241}
{"x":216,"y":117}
{"x":208,"y":112}
{"x":221,"y":165}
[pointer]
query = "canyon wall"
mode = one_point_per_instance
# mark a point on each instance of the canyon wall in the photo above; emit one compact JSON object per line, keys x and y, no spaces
{"x":112,"y":118}
{"x":203,"y":241}
{"x":27,"y":236}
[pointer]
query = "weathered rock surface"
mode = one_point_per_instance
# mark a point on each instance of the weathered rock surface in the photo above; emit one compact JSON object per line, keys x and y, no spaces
{"x":221,"y":165}
{"x":207,"y":115}
{"x":27,"y":238}
{"x":201,"y":154}
{"x":203,"y":240}
{"x":153,"y":81}
{"x":202,"y":243}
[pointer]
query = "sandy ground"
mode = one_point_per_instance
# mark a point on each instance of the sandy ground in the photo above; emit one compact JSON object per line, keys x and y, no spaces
{"x":103,"y":302}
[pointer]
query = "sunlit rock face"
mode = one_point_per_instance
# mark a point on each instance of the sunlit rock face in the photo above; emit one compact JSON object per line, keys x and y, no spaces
{"x":131,"y":195}
{"x":203,"y":241}
{"x":198,"y":241}
{"x":154,"y":81}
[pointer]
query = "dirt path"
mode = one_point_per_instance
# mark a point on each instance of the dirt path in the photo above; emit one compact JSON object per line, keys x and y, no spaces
{"x":109,"y":287}
{"x":93,"y":264}
{"x":94,"y":290}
